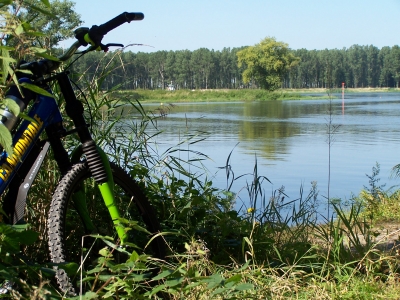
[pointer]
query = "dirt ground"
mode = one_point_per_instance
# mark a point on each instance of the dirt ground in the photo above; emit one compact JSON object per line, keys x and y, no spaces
{"x":386,"y":236}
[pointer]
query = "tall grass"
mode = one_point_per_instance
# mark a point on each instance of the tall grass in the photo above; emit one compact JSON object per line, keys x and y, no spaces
{"x":331,"y":130}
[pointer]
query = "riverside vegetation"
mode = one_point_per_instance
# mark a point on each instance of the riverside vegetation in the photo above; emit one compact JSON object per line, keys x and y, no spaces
{"x":267,"y":249}
{"x":165,"y":96}
{"x":206,"y":95}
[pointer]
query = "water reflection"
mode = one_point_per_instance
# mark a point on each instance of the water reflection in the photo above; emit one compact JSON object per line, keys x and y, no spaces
{"x":289,"y":139}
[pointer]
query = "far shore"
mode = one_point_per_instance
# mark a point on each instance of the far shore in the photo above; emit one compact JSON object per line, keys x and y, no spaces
{"x":348,"y":90}
{"x":227,"y":95}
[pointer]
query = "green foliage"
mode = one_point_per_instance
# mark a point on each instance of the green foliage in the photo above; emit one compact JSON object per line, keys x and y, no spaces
{"x":16,"y":270}
{"x":372,"y":195}
{"x":54,"y":20}
{"x":20,"y":40}
{"x":267,"y":63}
{"x":199,"y":69}
{"x":357,"y":66}
{"x":380,"y":205}
{"x":386,"y":209}
{"x":12,"y":237}
{"x":5,"y":139}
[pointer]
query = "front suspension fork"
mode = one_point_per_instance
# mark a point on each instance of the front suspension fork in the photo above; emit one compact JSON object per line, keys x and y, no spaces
{"x":96,"y":158}
{"x":99,"y":165}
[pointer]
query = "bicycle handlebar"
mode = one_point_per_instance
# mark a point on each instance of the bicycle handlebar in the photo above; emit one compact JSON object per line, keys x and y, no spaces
{"x":96,"y":33}
{"x":119,"y":20}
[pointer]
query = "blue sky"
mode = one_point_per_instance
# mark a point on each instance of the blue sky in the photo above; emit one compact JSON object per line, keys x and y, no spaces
{"x":215,"y":24}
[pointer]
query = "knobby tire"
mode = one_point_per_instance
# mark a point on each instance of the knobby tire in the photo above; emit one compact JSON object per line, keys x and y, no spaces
{"x":65,"y":228}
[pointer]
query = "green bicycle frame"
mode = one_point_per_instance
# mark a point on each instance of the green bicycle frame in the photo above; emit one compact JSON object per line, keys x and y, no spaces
{"x":107,"y":193}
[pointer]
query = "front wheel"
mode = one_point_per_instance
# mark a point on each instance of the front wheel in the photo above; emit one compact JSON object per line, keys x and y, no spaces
{"x":66,"y":227}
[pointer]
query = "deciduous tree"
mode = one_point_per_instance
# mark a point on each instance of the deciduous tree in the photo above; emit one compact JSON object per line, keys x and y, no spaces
{"x":267,"y":63}
{"x":56,"y":21}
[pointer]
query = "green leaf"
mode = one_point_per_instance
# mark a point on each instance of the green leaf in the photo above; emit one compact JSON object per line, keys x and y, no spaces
{"x":105,"y":277}
{"x":6,"y":59}
{"x":88,"y":278}
{"x":35,"y":33}
{"x":132,"y":245}
{"x":71,"y":268}
{"x":174,"y":282}
{"x":26,"y":26}
{"x":47,"y":56}
{"x":37,"y":50}
{"x":5,"y":2}
{"x":163,"y":274}
{"x":37,"y":8}
{"x":36,"y":89}
{"x":133,"y":225}
{"x":244,"y":286}
{"x":12,"y":106}
{"x":104,"y":252}
{"x":154,"y":291}
{"x":24,"y":116}
{"x":46,"y":2}
{"x":87,"y":296}
{"x":28,"y":72}
{"x":134,"y":256}
{"x":139,"y":277}
{"x":235,"y":278}
{"x":19,"y":30}
{"x":230,"y":285}
{"x":214,"y":280}
{"x":218,"y":291}
{"x":20,"y":227}
{"x":191,"y":285}
{"x":6,"y":47}
{"x":95,"y":270}
{"x":43,"y":53}
{"x":114,"y":246}
{"x":245,"y":266}
{"x":29,"y":237}
{"x":6,"y":139}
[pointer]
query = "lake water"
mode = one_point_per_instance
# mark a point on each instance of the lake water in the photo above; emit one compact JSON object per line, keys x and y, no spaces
{"x":289,"y":141}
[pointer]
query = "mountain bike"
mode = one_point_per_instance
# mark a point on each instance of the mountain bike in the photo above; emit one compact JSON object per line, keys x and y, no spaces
{"x":94,"y":195}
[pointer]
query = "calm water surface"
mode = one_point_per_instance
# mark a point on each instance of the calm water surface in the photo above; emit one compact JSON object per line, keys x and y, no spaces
{"x":289,"y":141}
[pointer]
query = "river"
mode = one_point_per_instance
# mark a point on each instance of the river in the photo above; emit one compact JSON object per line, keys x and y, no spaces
{"x":289,"y":140}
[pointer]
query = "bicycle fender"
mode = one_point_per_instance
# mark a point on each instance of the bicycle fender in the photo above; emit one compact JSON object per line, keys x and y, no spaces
{"x":26,"y":185}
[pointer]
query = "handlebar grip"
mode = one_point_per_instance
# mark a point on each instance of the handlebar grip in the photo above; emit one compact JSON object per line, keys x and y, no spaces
{"x":119,"y":20}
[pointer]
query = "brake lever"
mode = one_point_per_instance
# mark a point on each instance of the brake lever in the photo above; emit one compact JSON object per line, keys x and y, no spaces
{"x":105,"y":47}
{"x":101,"y":46}
{"x":114,"y":45}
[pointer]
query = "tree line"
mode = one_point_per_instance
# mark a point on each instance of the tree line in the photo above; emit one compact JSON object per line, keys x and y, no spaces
{"x":184,"y":69}
{"x":357,"y":66}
